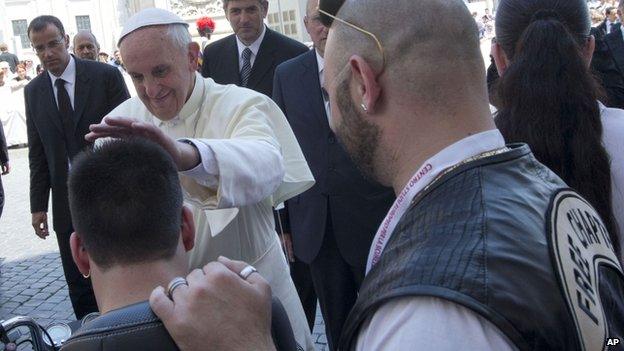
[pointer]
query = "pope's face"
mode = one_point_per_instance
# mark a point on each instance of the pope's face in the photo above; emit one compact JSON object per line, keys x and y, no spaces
{"x":162,"y":73}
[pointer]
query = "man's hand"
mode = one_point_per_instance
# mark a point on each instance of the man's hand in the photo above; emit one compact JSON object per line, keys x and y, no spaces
{"x":40,"y":223}
{"x":218,"y":309}
{"x":288,"y":246}
{"x":185,"y":156}
{"x":6,"y":168}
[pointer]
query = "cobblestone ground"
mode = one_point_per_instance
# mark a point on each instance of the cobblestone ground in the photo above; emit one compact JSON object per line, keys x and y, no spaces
{"x":31,"y":276}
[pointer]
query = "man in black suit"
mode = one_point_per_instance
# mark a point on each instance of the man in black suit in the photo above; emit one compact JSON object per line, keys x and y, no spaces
{"x":334,"y":222}
{"x":608,"y":62}
{"x":61,"y":103}
{"x":610,"y":22}
{"x":615,"y":43}
{"x":249,"y":56}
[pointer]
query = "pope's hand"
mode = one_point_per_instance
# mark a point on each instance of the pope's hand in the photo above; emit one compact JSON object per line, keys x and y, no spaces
{"x":184,"y":155}
{"x":218,"y":299}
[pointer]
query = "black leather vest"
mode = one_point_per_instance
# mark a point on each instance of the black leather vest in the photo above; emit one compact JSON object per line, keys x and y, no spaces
{"x":478,"y":237}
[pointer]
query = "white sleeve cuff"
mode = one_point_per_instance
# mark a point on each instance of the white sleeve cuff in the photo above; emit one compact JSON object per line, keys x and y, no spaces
{"x":206,"y":172}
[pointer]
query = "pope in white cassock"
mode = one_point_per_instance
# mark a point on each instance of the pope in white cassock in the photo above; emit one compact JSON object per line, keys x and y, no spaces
{"x":235,"y":151}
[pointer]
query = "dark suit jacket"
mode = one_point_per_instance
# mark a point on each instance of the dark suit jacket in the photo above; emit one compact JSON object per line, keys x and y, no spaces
{"x":221,"y":60}
{"x":608,"y":65}
{"x":356,"y":206}
{"x":4,"y":153}
{"x":615,"y":43}
{"x":99,"y":88}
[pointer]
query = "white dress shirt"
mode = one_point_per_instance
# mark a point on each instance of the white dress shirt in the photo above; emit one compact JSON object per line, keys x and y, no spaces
{"x":321,"y":72}
{"x":69,"y":76}
{"x":254,"y":47}
{"x":609,"y":23}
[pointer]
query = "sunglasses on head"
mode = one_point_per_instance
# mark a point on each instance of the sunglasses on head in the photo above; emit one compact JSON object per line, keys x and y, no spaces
{"x":327,"y":12}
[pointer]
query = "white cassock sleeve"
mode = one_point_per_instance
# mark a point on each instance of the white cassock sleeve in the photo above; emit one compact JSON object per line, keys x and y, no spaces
{"x":429,"y":323}
{"x":246,"y":171}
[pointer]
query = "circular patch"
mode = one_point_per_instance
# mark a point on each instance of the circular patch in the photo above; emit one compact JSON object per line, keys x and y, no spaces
{"x":580,"y":245}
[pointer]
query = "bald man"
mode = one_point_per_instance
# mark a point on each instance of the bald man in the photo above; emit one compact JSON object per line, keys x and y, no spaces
{"x":485,"y":248}
{"x":86,"y":46}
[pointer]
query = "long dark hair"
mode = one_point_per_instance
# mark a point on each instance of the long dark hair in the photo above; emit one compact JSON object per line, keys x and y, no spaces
{"x":548,"y":97}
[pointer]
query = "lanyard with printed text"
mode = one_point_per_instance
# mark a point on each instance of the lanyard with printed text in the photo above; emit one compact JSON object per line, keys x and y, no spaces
{"x":458,"y":153}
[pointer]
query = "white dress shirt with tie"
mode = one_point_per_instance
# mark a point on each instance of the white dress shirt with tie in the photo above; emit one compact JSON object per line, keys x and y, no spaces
{"x":69,"y":76}
{"x":254,"y":47}
{"x":321,"y":67}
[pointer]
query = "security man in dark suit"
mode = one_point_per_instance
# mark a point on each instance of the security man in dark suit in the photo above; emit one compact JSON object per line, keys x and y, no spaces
{"x":615,"y":43}
{"x":333,"y":223}
{"x":61,"y":103}
{"x":608,"y":61}
{"x":248,"y":57}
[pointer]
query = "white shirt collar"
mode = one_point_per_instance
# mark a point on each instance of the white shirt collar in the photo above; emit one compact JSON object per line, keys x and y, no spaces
{"x":320,"y":61}
{"x":68,"y":75}
{"x":254,"y":47}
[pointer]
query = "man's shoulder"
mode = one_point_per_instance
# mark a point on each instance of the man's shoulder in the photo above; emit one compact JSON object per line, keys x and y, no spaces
{"x":285,"y":43}
{"x":294,"y":64}
{"x":216,"y":47}
{"x":95,"y":66}
{"x":232,"y":95}
{"x":132,"y":107}
{"x":614,"y":36}
{"x":38,"y":81}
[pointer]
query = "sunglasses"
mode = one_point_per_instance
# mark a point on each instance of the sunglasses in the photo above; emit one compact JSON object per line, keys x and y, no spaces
{"x":328,"y":19}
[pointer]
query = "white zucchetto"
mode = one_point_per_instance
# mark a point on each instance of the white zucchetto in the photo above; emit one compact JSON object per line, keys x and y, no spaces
{"x":149,"y":17}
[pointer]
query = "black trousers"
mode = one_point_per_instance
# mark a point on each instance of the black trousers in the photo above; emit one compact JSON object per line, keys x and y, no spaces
{"x":336,"y":283}
{"x":301,"y":276}
{"x":80,"y":289}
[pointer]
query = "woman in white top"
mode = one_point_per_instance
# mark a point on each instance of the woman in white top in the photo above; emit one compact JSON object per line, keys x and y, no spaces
{"x":547,"y":97}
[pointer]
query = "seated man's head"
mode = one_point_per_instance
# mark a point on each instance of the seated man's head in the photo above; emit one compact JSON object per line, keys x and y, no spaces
{"x":131,"y":228}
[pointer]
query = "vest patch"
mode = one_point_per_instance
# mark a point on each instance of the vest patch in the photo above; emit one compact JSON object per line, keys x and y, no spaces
{"x":579,"y":245}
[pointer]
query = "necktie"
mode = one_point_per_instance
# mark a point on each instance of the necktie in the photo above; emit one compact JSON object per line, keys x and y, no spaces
{"x":66,"y":111}
{"x":246,"y":71}
{"x":326,"y":103}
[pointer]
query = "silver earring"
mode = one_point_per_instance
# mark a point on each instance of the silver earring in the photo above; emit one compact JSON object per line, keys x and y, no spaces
{"x":364,"y":107}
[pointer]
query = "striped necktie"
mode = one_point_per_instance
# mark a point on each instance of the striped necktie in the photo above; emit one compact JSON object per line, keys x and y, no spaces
{"x":246,"y":71}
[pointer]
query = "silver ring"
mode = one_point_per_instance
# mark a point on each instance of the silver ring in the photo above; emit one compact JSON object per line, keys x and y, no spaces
{"x":247,"y":271}
{"x":173,"y":284}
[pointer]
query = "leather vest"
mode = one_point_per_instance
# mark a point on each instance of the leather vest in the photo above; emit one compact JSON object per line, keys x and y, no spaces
{"x":478,"y":237}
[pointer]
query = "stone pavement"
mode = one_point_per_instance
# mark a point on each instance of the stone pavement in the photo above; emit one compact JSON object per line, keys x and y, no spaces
{"x":31,"y":277}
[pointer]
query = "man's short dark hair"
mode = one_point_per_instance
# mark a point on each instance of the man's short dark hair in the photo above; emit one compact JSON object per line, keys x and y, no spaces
{"x":126,"y":202}
{"x":225,"y":2}
{"x":39,"y":23}
{"x":609,"y":9}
